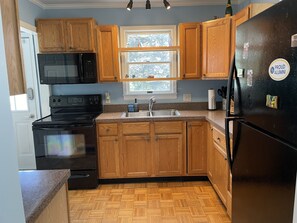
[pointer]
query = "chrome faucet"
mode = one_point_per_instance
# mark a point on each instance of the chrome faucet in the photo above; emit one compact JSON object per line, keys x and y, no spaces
{"x":152,"y":100}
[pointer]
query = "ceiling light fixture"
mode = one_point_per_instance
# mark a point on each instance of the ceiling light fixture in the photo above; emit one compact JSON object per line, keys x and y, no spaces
{"x":130,"y":5}
{"x":148,"y":4}
{"x":166,"y":4}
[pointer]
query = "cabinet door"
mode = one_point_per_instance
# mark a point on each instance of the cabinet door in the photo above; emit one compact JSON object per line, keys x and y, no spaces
{"x":216,"y":48}
{"x":136,"y":156}
{"x":109,"y":157}
{"x":238,"y":19}
{"x":221,"y":171}
{"x":190,"y":50}
{"x":11,"y":33}
{"x":210,"y":153}
{"x":80,"y":35}
{"x":169,"y":155}
{"x":107,"y":48}
{"x":197,"y":147}
{"x":51,"y":35}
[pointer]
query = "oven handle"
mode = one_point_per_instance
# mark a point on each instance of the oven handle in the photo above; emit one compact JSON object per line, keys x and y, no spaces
{"x":62,"y":128}
{"x":79,"y":176}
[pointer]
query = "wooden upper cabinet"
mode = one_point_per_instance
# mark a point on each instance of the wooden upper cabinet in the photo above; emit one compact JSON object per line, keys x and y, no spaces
{"x":80,"y":35}
{"x":244,"y":15}
{"x":216,"y":39}
{"x":11,"y":33}
{"x":66,"y":35}
{"x":190,"y":50}
{"x":107,"y":51}
{"x":238,"y":19}
{"x":51,"y":35}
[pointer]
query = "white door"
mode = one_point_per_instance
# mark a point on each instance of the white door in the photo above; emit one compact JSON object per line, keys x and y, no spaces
{"x":25,"y":107}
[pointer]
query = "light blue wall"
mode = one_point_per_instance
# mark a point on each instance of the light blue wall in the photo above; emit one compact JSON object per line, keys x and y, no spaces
{"x":197,"y":88}
{"x":138,"y":16}
{"x":28,"y":11}
{"x":11,"y":203}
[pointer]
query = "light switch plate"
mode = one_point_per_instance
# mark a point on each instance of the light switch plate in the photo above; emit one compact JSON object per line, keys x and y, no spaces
{"x":187,"y":97}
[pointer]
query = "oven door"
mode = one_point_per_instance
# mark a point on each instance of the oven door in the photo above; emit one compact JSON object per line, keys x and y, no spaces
{"x":65,"y":147}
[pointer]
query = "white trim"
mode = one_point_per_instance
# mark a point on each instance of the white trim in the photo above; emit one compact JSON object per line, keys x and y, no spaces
{"x":28,"y":26}
{"x":171,"y":29}
{"x":123,"y":4}
{"x":295,"y":204}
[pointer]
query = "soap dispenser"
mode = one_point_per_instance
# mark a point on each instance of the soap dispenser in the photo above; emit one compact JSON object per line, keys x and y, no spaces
{"x":136,"y":108}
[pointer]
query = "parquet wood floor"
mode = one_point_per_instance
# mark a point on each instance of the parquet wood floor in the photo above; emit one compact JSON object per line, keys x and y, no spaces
{"x":185,"y":202}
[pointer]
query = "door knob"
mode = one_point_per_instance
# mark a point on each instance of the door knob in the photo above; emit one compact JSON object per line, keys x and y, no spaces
{"x":30,"y":116}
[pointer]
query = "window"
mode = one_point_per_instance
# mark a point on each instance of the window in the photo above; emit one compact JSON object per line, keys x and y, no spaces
{"x":149,"y":55}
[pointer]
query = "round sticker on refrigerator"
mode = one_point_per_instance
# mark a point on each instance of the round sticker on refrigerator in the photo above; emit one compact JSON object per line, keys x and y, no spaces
{"x":279,"y":69}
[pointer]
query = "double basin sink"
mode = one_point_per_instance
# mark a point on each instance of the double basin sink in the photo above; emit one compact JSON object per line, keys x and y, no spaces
{"x":154,"y":113}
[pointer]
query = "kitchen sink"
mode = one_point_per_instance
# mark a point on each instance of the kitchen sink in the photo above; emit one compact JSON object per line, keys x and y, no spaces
{"x":169,"y":112}
{"x":140,"y":114}
{"x":154,"y":113}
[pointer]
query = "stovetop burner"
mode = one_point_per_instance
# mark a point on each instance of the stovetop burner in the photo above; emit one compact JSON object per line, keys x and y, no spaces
{"x":72,"y":109}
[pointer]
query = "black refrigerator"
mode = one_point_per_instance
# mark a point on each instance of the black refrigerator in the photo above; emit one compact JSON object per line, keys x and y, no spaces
{"x":263,"y":156}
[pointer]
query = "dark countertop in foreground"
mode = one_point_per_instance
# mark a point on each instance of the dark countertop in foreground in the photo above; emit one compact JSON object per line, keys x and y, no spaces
{"x":38,"y":188}
{"x":216,"y":118}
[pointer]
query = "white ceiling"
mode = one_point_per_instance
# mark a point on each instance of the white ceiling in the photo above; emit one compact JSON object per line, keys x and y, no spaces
{"x":68,"y":4}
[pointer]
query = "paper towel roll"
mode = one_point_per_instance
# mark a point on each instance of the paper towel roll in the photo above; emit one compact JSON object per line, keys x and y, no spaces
{"x":211,"y":99}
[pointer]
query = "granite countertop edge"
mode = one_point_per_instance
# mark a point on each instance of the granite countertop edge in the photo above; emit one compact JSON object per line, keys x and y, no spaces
{"x":216,"y":118}
{"x":36,"y":196}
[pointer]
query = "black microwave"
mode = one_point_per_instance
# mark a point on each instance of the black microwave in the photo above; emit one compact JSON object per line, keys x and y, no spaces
{"x":67,"y":68}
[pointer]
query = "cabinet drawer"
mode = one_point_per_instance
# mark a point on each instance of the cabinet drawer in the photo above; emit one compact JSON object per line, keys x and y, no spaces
{"x":136,"y":128}
{"x":168,"y":127}
{"x":219,"y":138}
{"x":107,"y":129}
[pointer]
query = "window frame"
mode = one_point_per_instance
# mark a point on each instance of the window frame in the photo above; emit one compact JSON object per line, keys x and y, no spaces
{"x":124,"y":32}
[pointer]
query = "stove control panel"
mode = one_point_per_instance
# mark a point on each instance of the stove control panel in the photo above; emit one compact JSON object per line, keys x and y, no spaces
{"x":75,"y":101}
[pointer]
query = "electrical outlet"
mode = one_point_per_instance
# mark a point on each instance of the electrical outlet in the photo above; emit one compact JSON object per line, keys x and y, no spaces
{"x":187,"y":97}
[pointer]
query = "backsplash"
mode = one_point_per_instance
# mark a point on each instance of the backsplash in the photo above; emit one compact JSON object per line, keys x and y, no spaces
{"x":197,"y":89}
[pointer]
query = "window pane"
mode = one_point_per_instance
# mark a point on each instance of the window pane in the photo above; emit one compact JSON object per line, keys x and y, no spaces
{"x":148,"y":40}
{"x":152,"y":56}
{"x":144,"y":86}
{"x":156,"y":70}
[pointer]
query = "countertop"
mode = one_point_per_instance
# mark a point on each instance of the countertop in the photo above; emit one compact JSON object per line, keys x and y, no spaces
{"x":38,"y":188}
{"x":216,"y":118}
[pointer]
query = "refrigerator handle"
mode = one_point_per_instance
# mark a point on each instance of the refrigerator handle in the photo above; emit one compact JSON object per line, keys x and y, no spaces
{"x":229,"y":86}
{"x":230,"y":158}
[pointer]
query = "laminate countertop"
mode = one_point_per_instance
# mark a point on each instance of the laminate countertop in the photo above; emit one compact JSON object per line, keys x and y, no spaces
{"x":38,"y":188}
{"x":216,"y":118}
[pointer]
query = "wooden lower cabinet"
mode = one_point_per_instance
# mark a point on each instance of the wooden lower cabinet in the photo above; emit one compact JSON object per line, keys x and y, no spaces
{"x":217,"y":167}
{"x":197,"y":148}
{"x":220,"y":173}
{"x":210,"y":153}
{"x":169,"y":155}
{"x":57,"y":210}
{"x":109,"y":157}
{"x":136,"y":156}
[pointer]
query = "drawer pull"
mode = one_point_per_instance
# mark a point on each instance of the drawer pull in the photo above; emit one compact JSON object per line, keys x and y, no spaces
{"x":107,"y":130}
{"x":219,"y":139}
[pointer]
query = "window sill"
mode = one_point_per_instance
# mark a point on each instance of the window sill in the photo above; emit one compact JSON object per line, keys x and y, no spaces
{"x":147,"y":97}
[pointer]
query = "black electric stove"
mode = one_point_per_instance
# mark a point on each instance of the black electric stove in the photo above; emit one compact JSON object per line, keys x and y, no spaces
{"x":66,"y":139}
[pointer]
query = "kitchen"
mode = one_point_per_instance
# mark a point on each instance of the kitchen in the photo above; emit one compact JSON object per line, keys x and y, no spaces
{"x":115,"y":89}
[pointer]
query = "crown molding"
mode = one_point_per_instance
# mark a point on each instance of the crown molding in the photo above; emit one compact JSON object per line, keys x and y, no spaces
{"x":123,"y":4}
